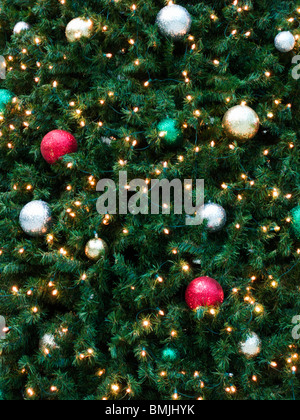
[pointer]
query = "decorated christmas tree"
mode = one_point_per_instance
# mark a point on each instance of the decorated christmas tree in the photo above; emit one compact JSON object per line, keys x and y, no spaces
{"x":142,"y":301}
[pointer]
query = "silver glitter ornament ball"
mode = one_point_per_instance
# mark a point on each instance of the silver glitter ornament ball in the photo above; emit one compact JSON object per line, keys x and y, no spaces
{"x":21,"y":26}
{"x":241,"y":122}
{"x":96,"y":249}
{"x":285,"y":42}
{"x":174,"y":21}
{"x":35,"y":218}
{"x":252,"y":346}
{"x":214,"y":214}
{"x":79,"y":28}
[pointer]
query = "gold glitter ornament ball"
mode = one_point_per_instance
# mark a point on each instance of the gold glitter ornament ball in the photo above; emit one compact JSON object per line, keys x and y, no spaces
{"x":174,"y":21}
{"x":241,"y":122}
{"x":96,"y":249}
{"x":79,"y":28}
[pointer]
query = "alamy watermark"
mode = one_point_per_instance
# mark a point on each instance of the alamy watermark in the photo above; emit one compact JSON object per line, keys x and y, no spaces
{"x":2,"y":327}
{"x":152,"y":197}
{"x":296,"y":329}
{"x":296,"y":69}
{"x":2,"y":67}
{"x":296,"y":76}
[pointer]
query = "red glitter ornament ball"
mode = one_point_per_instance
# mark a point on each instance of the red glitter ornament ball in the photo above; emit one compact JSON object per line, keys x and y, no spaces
{"x":56,"y":144}
{"x":204,"y":291}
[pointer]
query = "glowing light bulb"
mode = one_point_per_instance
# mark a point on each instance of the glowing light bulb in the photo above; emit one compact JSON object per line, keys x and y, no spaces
{"x":115,"y":388}
{"x":30,"y":392}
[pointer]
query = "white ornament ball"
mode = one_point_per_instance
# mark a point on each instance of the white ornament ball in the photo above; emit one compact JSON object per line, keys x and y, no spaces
{"x":21,"y":26}
{"x":285,"y":41}
{"x":252,"y":346}
{"x":174,"y":21}
{"x":214,"y":214}
{"x":106,"y":140}
{"x":35,"y":218}
{"x":79,"y":28}
{"x":48,"y":342}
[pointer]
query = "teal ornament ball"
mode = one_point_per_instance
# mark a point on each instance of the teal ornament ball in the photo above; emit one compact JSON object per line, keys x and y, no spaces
{"x":169,"y":132}
{"x":5,"y":98}
{"x":169,"y":354}
{"x":296,"y":221}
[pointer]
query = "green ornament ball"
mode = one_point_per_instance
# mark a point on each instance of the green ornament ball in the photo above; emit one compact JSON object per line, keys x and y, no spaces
{"x":169,"y":354}
{"x":5,"y":98}
{"x":169,"y":132}
{"x":296,"y":221}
